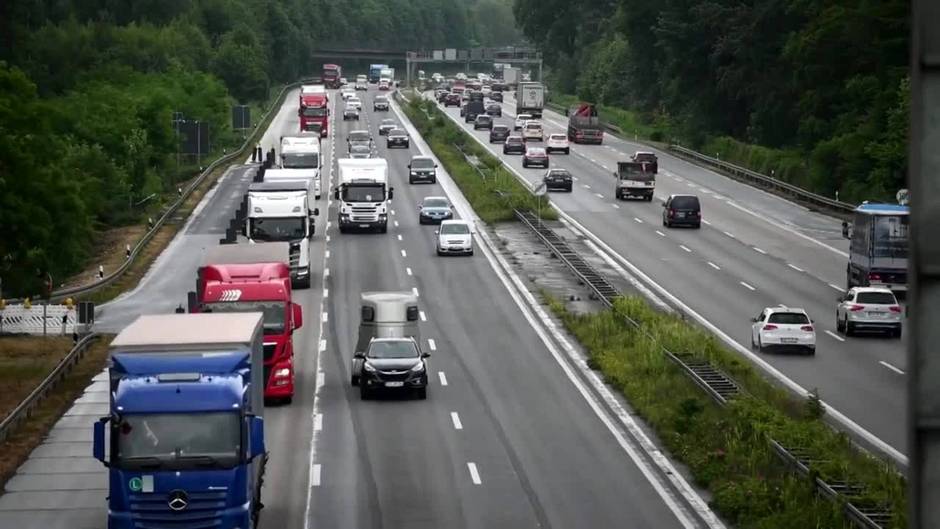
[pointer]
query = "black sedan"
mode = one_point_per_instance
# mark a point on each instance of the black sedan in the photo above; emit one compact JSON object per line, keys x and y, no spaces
{"x":499,"y":133}
{"x":496,"y":96}
{"x":557,"y":178}
{"x":493,"y":109}
{"x":397,"y":138}
{"x":514,"y":145}
{"x":386,"y":125}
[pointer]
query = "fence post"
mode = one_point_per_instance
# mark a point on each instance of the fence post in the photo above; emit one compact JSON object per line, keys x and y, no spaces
{"x":44,"y":307}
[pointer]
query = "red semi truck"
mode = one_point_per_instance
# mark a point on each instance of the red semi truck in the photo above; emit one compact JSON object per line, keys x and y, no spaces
{"x":332,"y":73}
{"x":583,"y":124}
{"x":255,"y":278}
{"x":314,"y":109}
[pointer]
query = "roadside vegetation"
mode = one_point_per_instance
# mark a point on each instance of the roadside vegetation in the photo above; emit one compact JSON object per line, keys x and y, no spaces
{"x":492,"y":190}
{"x":727,"y":449}
{"x":816,"y":92}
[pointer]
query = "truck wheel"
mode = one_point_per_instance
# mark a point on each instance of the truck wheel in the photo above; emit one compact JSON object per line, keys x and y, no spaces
{"x":384,"y":228}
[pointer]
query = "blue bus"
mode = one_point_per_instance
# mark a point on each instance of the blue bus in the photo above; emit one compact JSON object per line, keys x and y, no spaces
{"x":878,"y":246}
{"x":375,"y":72}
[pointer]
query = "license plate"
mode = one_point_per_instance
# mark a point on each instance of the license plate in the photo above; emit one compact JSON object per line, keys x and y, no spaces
{"x":394,"y":384}
{"x":363,"y":225}
{"x":680,"y":215}
{"x":877,"y":313}
{"x":788,"y":340}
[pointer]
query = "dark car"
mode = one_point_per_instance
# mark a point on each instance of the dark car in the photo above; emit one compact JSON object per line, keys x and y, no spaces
{"x":483,"y":122}
{"x":360,"y":151}
{"x":452,"y":100}
{"x":397,"y":138}
{"x":350,"y":113}
{"x":514,"y":145}
{"x":392,"y":363}
{"x":499,"y":133}
{"x":386,"y":125}
{"x":439,"y":95}
{"x":422,"y":168}
{"x":473,"y":109}
{"x":359,"y":137}
{"x":476,"y":95}
{"x":493,"y":109}
{"x":434,"y":209}
{"x":557,"y":178}
{"x":535,"y":156}
{"x":496,"y":95}
{"x":647,"y":158}
{"x":682,"y":210}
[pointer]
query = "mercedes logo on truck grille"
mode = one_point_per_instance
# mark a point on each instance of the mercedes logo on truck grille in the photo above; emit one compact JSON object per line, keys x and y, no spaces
{"x":178,"y":500}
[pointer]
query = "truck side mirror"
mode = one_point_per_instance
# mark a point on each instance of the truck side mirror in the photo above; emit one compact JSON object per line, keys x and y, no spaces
{"x":336,"y":194}
{"x":391,"y":192}
{"x":297,"y":315}
{"x":845,"y":229}
{"x":98,"y":446}
{"x":359,"y":356}
{"x":256,"y":436}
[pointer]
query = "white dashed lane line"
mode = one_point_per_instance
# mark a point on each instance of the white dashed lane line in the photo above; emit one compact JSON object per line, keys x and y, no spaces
{"x":399,"y":237}
{"x":404,"y":253}
{"x":318,"y":422}
{"x":326,"y":292}
{"x":326,"y":316}
{"x":639,"y":220}
{"x":685,"y":248}
{"x":424,"y":317}
{"x":749,"y":287}
{"x":713,"y":265}
{"x":408,"y":270}
{"x":758,"y":250}
{"x":315,"y":479}
{"x":443,"y":377}
{"x":891,"y":367}
{"x":837,"y":287}
{"x":598,"y":195}
{"x":474,"y":474}
{"x":797,"y":268}
{"x":661,"y":234}
{"x":834,"y":335}
{"x":729,"y":234}
{"x":456,"y":420}
{"x":432,"y":345}
{"x":615,"y":206}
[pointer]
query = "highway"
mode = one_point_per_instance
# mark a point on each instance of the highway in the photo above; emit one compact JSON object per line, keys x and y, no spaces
{"x":508,"y":437}
{"x":754,"y":250}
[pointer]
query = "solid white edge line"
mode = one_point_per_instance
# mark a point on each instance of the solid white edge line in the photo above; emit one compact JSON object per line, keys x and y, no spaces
{"x":442,"y":377}
{"x":527,"y":302}
{"x":432,"y":345}
{"x":834,"y":335}
{"x":729,"y":234}
{"x":891,"y":367}
{"x":456,"y":420}
{"x":474,"y":473}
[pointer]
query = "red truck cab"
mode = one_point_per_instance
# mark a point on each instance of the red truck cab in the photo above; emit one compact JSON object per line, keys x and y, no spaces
{"x":314,"y":113}
{"x":229,"y":284}
{"x":332,"y":73}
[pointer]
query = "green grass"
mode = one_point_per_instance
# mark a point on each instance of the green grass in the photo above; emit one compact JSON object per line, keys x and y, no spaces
{"x":492,"y":191}
{"x":727,"y":449}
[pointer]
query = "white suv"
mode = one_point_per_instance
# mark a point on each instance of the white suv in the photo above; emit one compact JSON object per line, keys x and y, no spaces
{"x":454,"y":237}
{"x":869,"y":309}
{"x":520,"y":121}
{"x":532,"y":131}
{"x":354,"y":102}
{"x":783,"y":328}
{"x":557,"y":143}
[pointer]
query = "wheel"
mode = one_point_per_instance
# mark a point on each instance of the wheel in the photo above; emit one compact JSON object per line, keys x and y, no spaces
{"x":364,"y":392}
{"x":760,"y":345}
{"x":568,"y":151}
{"x":411,"y":180}
{"x":384,"y":228}
{"x":568,"y":189}
{"x":354,"y":380}
{"x":525,"y":164}
{"x":342,"y":229}
{"x":617,"y":195}
{"x":434,"y":180}
{"x":896,"y":333}
{"x":440,"y":253}
{"x":470,"y":253}
{"x":423,"y":393}
{"x":839,"y":326}
{"x":811,"y":350}
{"x":408,"y":145}
{"x":698,"y":226}
{"x":753,"y":345}
{"x":849,"y":327}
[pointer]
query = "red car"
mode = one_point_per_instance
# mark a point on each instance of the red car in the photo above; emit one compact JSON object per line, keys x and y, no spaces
{"x":452,"y":100}
{"x":535,"y":156}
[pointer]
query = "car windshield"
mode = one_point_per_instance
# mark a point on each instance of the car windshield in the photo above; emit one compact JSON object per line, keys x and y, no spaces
{"x":360,"y":149}
{"x":436,"y":203}
{"x":354,"y":101}
{"x":422,"y":163}
{"x":559,"y":172}
{"x":358,"y":136}
{"x":685,"y":203}
{"x":532,"y":126}
{"x":381,"y":99}
{"x":178,"y":440}
{"x":402,"y":349}
{"x":397,"y":132}
{"x":455,"y":229}
{"x":278,"y":228}
{"x":298,"y":160}
{"x":364,"y":193}
{"x":500,"y":128}
{"x":388,"y":123}
{"x":482,"y":119}
{"x":275,"y":312}
{"x":788,"y":318}
{"x":514,"y":139}
{"x":536,"y":152}
{"x":876,"y":298}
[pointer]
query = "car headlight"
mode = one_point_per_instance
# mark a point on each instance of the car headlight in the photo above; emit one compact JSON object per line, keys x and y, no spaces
{"x":368,"y":367}
{"x":419,"y":367}
{"x":414,"y":173}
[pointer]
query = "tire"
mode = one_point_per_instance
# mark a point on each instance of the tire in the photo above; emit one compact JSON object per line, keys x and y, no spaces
{"x":384,"y":228}
{"x":411,"y":180}
{"x":470,"y":253}
{"x":342,"y":229}
{"x":760,"y":346}
{"x":840,"y":328}
{"x":849,"y":327}
{"x":568,"y":151}
{"x":525,"y":164}
{"x":423,"y":393}
{"x":568,"y":189}
{"x":434,"y":180}
{"x":364,"y":392}
{"x":698,"y":226}
{"x":354,"y":380}
{"x":617,"y":195}
{"x":896,"y":333}
{"x":440,"y":253}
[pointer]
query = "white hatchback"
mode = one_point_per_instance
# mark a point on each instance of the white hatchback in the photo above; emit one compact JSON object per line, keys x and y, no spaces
{"x":520,"y":121}
{"x":557,"y":143}
{"x":454,"y":237}
{"x":532,"y":131}
{"x":347,"y":94}
{"x":783,"y":328}
{"x":354,"y":102}
{"x":869,"y":309}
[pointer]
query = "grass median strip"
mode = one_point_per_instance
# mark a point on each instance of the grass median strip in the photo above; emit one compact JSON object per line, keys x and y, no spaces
{"x":727,"y":449}
{"x":492,"y":191}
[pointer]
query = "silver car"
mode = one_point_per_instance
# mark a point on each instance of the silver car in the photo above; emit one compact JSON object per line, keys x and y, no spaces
{"x":869,"y":309}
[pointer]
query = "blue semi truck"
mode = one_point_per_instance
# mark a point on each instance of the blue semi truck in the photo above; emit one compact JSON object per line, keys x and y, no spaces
{"x":184,"y":440}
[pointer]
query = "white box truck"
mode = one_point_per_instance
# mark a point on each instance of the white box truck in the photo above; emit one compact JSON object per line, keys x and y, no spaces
{"x":302,"y":160}
{"x":530,"y":99}
{"x":363,"y":194}
{"x":279,"y":211}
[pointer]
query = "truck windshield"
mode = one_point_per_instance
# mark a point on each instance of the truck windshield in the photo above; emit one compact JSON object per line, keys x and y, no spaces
{"x":314,"y":112}
{"x":298,"y":160}
{"x":274,"y":312}
{"x":890,"y":237}
{"x":278,"y":228}
{"x":178,"y":440}
{"x":364,"y":193}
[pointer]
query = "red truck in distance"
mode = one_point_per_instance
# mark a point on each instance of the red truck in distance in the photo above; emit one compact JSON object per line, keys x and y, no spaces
{"x":332,"y":73}
{"x":255,"y":278}
{"x":314,"y":111}
{"x":584,"y":126}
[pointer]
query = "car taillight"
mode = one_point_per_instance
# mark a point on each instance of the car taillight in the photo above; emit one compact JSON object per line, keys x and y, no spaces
{"x":807,"y":328}
{"x":894,"y":308}
{"x":673,"y":212}
{"x":856,"y":308}
{"x":874,"y":277}
{"x":698,"y":214}
{"x":770,"y":327}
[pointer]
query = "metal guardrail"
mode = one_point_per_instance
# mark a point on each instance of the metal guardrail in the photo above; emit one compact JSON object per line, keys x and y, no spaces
{"x":61,"y":294}
{"x":26,"y":407}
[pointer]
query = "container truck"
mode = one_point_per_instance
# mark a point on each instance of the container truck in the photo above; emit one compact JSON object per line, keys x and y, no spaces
{"x":583,"y":124}
{"x":637,"y":179}
{"x":279,"y":211}
{"x":301,"y":157}
{"x":332,"y":73}
{"x":255,"y":278}
{"x":375,"y":72}
{"x":879,"y":237}
{"x":530,"y":99}
{"x":363,"y":194}
{"x":511,"y":76}
{"x":184,"y":438}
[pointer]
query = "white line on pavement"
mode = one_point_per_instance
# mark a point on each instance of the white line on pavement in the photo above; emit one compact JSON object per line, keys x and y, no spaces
{"x":745,"y":285}
{"x":685,"y":248}
{"x":322,"y":345}
{"x":729,"y":234}
{"x":891,"y":367}
{"x":408,"y":270}
{"x":713,"y":265}
{"x":661,"y":234}
{"x":315,"y":481}
{"x":318,"y":422}
{"x":326,"y":316}
{"x":797,"y":268}
{"x":326,"y":254}
{"x":443,"y":377}
{"x":758,"y":250}
{"x":474,"y":473}
{"x":834,"y":335}
{"x":615,"y":206}
{"x":456,"y":419}
{"x":639,"y":220}
{"x":424,"y":317}
{"x":837,"y":287}
{"x":326,"y":292}
{"x":404,"y":253}
{"x":705,"y":222}
{"x":432,"y":345}
{"x":598,"y":195}
{"x":399,"y":236}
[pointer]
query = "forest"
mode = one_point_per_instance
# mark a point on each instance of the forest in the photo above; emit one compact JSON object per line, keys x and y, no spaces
{"x":88,"y":89}
{"x":817,"y":90}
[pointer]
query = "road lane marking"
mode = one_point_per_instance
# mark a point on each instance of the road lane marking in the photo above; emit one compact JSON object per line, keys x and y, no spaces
{"x":414,"y":290}
{"x":424,"y":316}
{"x":326,"y":272}
{"x":615,"y":206}
{"x":474,"y":474}
{"x":321,"y":380}
{"x":598,"y":195}
{"x":713,"y":265}
{"x":661,"y":234}
{"x":327,"y":238}
{"x":396,"y":223}
{"x":834,"y":335}
{"x":399,"y":236}
{"x":685,"y":248}
{"x":837,"y":287}
{"x":404,"y":253}
{"x":393,"y":212}
{"x":891,"y":367}
{"x":705,"y":222}
{"x":585,"y":186}
{"x":317,"y":422}
{"x":749,"y":287}
{"x":797,"y":268}
{"x":639,"y":220}
{"x":408,"y":270}
{"x":729,"y":234}
{"x":322,"y":345}
{"x":326,"y":292}
{"x":456,"y":419}
{"x":326,"y":254}
{"x":432,"y":345}
{"x":315,"y":480}
{"x":329,"y":224}
{"x":326,"y":316}
{"x":789,"y":229}
{"x":443,"y":377}
{"x":758,"y":250}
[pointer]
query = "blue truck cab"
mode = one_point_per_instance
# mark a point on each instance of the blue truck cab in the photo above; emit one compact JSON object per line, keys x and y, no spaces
{"x":184,"y":439}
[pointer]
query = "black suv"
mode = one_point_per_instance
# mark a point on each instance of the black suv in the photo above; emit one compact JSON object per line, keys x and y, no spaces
{"x":483,"y":121}
{"x":514,"y":145}
{"x":422,"y":168}
{"x":472,"y":109}
{"x":557,"y":178}
{"x":682,"y":210}
{"x":494,"y":109}
{"x":499,"y":133}
{"x":392,"y":363}
{"x":397,"y":138}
